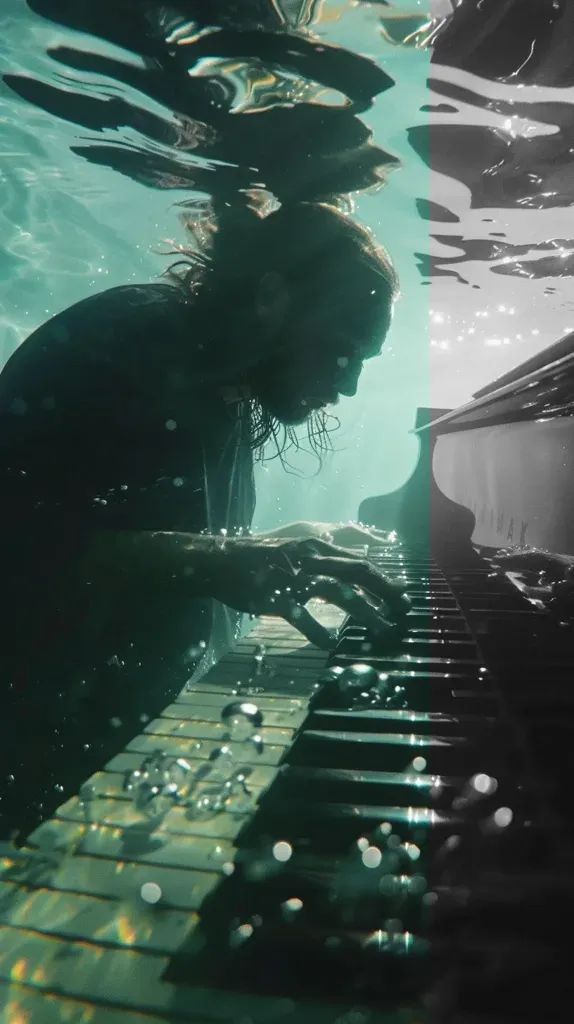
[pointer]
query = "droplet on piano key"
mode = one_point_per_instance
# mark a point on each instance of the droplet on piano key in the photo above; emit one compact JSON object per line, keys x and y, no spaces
{"x":242,"y":719}
{"x":221,"y":764}
{"x":158,"y":784}
{"x":358,"y":677}
{"x":179,"y":772}
{"x":331,"y":674}
{"x":236,"y":796}
{"x":259,"y":656}
{"x":205,"y":806}
{"x":87,"y":792}
{"x":150,"y":892}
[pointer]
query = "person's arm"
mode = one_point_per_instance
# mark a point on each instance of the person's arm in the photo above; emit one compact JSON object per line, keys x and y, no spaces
{"x":350,"y":534}
{"x":261,"y":576}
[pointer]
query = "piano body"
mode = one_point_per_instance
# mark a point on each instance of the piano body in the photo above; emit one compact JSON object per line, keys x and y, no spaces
{"x":378,"y":835}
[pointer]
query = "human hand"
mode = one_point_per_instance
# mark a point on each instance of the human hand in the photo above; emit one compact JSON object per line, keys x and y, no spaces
{"x":269,"y":576}
{"x":343,"y":534}
{"x":544,"y":576}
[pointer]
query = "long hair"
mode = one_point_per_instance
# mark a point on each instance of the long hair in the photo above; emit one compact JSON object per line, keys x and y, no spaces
{"x":311,"y":245}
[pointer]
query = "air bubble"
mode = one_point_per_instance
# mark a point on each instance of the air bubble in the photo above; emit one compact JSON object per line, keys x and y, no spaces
{"x":150,"y":892}
{"x":242,"y":719}
{"x":282,"y":851}
{"x":292,"y":906}
{"x":484,"y":784}
{"x":372,"y":857}
{"x":503,"y":817}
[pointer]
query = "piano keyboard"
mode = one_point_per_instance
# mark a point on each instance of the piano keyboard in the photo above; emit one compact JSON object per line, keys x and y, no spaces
{"x":377,"y":845}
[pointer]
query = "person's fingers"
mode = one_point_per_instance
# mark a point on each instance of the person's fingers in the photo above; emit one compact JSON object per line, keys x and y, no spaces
{"x":381,"y":536}
{"x":350,"y":599}
{"x":536,"y":561}
{"x":355,"y":533}
{"x":296,"y":552}
{"x":302,"y":619}
{"x":362,"y":574}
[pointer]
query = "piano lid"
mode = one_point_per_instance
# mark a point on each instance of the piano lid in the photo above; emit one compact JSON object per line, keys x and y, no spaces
{"x":497,"y":472}
{"x":539,"y":389}
{"x":508,"y":456}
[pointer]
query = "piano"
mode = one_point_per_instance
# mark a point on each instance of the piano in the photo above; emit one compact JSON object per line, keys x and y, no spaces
{"x":376,"y":835}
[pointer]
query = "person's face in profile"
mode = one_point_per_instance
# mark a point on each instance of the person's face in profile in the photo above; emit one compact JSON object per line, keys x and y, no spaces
{"x":322,"y":349}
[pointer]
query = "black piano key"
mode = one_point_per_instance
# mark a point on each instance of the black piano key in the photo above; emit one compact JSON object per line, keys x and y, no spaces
{"x":330,"y":893}
{"x":421,"y":722}
{"x":426,"y":647}
{"x":349,"y":786}
{"x":452,"y":755}
{"x":387,"y":662}
{"x":317,"y":963}
{"x":425,"y":692}
{"x":333,"y":827}
{"x":411,"y":788}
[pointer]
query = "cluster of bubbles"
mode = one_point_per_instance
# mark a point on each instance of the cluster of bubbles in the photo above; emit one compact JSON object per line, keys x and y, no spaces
{"x":382,"y":868}
{"x":217,"y":784}
{"x":358,"y":686}
{"x":385,"y":868}
{"x":477,"y":796}
{"x":159,"y":784}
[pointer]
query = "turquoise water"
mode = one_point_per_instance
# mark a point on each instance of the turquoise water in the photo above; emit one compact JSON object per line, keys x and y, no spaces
{"x":70,"y":227}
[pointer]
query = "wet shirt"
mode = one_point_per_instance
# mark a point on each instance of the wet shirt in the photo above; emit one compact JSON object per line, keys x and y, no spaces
{"x":106,"y":422}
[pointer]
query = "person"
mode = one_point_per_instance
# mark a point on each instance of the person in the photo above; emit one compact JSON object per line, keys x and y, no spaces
{"x":129,"y":424}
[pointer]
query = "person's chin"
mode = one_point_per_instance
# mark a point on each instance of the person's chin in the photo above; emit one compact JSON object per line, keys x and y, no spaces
{"x":289,"y":413}
{"x":293,"y":415}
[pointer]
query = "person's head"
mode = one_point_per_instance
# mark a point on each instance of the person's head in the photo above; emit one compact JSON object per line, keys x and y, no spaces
{"x":326,"y":301}
{"x":308,"y":296}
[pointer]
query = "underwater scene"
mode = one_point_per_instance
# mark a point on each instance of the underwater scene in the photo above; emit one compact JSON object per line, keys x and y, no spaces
{"x":286,"y":454}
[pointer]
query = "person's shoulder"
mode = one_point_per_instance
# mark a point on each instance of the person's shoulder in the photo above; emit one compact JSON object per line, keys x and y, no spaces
{"x":121,"y":324}
{"x":127,"y":300}
{"x":111,"y":317}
